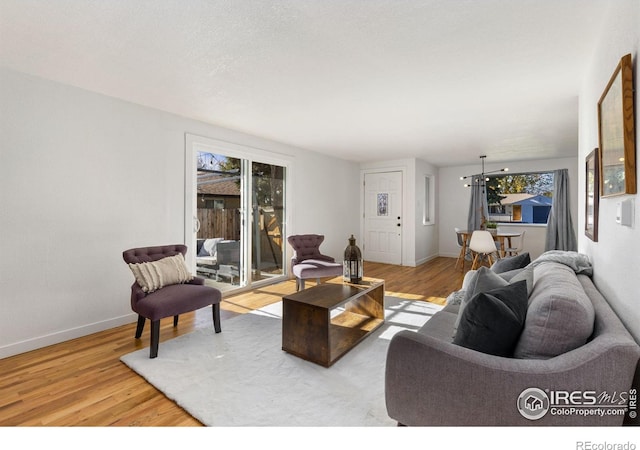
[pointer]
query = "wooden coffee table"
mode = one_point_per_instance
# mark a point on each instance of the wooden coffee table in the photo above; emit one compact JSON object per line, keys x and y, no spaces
{"x":322,"y":323}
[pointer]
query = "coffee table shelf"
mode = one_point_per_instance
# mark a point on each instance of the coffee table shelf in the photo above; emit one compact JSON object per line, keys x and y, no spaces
{"x":322,"y":323}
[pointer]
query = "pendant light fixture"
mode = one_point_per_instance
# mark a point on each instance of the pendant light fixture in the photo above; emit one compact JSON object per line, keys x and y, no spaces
{"x":476,"y":179}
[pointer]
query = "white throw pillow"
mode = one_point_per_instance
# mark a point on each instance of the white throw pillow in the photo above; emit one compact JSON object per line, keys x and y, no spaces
{"x":154,"y":275}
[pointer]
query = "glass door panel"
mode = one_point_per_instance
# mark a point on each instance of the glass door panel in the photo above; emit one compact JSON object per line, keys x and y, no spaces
{"x":267,"y":221}
{"x":219,"y":212}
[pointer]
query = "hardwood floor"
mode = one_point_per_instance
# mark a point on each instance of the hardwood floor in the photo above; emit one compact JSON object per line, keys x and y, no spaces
{"x":82,"y":382}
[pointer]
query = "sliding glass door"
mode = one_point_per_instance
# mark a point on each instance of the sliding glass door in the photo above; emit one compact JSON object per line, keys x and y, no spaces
{"x":235,"y":215}
{"x":267,"y":225}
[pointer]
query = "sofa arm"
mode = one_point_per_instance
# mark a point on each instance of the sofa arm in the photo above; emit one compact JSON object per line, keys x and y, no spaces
{"x":432,"y":382}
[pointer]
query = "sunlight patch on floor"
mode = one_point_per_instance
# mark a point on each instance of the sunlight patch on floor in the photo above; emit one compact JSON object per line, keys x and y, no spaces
{"x":425,"y":298}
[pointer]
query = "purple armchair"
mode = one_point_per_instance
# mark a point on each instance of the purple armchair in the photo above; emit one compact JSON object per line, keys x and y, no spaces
{"x":308,"y":262}
{"x":171,"y":300}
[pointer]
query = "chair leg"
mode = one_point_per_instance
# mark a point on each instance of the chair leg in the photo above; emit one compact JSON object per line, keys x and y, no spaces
{"x":140,"y":326}
{"x":475,"y":260}
{"x":460,"y":258}
{"x":302,"y":284}
{"x":155,"y":338}
{"x":216,"y":317}
{"x":175,"y":321}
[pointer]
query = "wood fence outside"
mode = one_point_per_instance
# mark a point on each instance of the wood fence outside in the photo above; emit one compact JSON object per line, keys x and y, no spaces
{"x":219,"y":223}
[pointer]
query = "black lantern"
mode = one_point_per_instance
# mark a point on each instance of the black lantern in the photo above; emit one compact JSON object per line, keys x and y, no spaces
{"x":352,"y":271}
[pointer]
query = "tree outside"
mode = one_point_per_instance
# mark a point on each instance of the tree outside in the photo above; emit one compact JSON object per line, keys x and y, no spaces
{"x":527,"y":183}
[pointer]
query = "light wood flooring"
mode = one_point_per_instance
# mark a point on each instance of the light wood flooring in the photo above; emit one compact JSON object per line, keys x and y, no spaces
{"x":83,"y":383}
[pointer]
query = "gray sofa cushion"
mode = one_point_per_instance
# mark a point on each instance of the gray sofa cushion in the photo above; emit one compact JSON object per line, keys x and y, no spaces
{"x":511,"y":263}
{"x":492,"y":321}
{"x":439,"y":326}
{"x":560,"y":315}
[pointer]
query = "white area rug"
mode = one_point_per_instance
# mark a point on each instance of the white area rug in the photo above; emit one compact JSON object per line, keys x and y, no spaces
{"x":242,"y":377}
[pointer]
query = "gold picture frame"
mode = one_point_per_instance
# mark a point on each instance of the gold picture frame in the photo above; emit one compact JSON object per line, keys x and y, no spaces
{"x":616,"y":133}
{"x":592,"y":195}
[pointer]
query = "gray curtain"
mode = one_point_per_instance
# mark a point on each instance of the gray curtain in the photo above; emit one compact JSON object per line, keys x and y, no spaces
{"x":560,"y":234}
{"x":478,"y":209}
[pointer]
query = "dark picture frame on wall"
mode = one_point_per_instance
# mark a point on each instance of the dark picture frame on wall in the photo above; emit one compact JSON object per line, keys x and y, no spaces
{"x":592,"y":195}
{"x":617,"y":134}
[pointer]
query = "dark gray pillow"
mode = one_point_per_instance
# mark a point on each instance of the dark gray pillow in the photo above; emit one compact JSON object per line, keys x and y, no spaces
{"x":492,"y":321}
{"x":511,"y":263}
{"x":482,"y":281}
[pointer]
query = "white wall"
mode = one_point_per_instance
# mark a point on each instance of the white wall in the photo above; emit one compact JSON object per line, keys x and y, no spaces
{"x":84,"y":177}
{"x":419,"y":241}
{"x":454,"y":201}
{"x":616,"y":255}
{"x":426,"y":240}
{"x":325,"y":200}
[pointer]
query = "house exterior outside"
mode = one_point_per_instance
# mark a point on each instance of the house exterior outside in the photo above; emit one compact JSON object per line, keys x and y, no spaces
{"x":521,"y":208}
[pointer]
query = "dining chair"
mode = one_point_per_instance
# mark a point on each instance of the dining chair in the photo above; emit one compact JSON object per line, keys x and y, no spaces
{"x":512,"y":251}
{"x":482,"y":244}
{"x":464,"y":250}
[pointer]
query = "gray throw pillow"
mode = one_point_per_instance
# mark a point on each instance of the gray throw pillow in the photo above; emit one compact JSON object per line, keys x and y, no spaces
{"x":511,"y":263}
{"x":492,"y":321}
{"x":469,"y":278}
{"x":509,"y":274}
{"x":484,"y":280}
{"x":525,"y":274}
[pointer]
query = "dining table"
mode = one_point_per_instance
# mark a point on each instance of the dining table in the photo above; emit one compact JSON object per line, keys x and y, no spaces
{"x":500,"y":237}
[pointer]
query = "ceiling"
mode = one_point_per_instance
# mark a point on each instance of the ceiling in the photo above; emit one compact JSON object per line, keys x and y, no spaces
{"x":363,"y":80}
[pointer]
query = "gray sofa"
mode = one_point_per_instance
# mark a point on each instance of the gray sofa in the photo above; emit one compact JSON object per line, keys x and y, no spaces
{"x":432,"y":381}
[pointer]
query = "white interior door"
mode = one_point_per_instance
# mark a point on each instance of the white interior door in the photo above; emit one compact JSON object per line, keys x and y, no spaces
{"x":383,"y":217}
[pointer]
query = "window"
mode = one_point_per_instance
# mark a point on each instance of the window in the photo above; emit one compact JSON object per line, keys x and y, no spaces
{"x":428,"y":215}
{"x":520,"y":198}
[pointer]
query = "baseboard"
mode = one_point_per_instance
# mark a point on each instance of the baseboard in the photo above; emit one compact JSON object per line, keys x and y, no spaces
{"x":28,"y":345}
{"x":421,"y":261}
